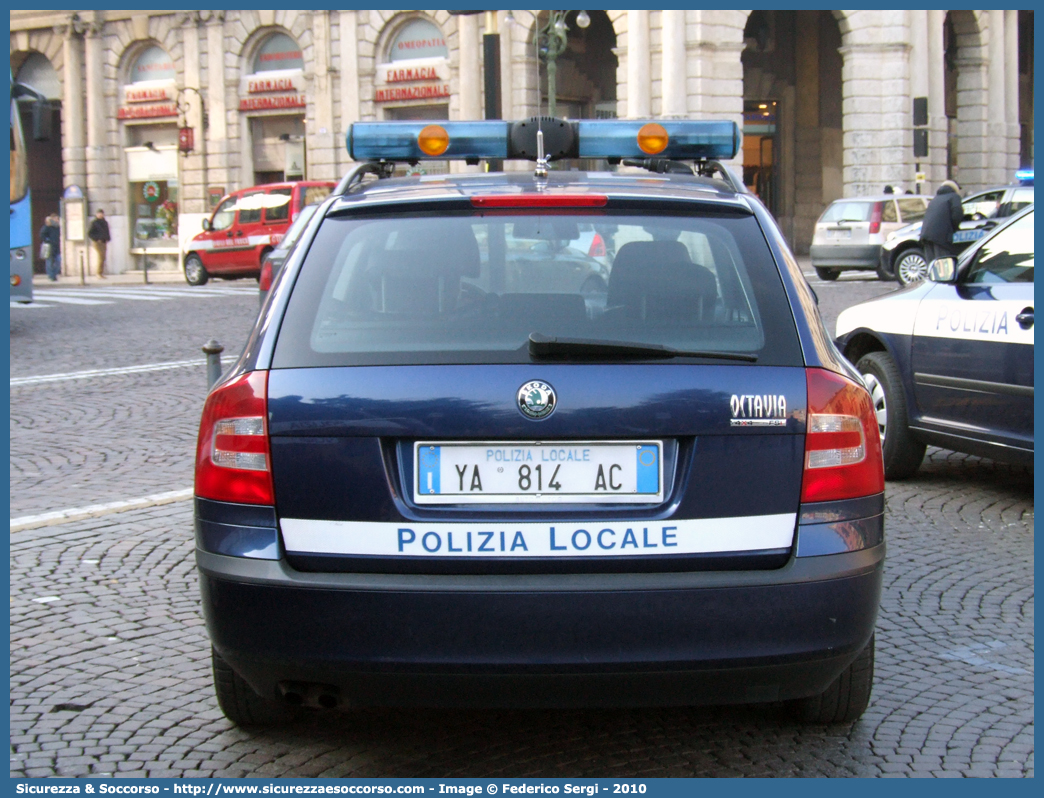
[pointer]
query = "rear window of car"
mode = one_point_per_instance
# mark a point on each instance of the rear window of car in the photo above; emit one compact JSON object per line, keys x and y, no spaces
{"x":1020,"y":198}
{"x":847,"y":211}
{"x":912,"y":209}
{"x":471,"y":288}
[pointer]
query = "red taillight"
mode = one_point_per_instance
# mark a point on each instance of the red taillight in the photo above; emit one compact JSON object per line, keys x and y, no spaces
{"x":264,"y":282}
{"x":597,"y":249}
{"x":842,"y":442}
{"x":540,"y":201}
{"x":233,"y":463}
{"x":875,"y":218}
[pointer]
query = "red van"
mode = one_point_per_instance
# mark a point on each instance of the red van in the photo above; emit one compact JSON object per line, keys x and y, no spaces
{"x":246,"y":226}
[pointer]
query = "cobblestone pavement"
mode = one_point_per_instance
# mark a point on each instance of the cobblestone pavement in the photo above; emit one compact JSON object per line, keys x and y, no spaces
{"x":83,"y":442}
{"x":110,"y":659}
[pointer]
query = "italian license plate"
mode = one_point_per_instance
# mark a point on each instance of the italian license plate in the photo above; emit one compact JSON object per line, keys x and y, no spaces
{"x":510,"y":472}
{"x":842,"y":233}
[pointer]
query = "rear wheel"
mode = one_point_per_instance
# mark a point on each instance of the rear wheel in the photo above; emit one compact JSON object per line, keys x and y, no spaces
{"x":911,"y":267}
{"x":846,"y":698}
{"x":902,"y":453}
{"x":195,"y":273}
{"x":827,"y":274}
{"x":240,"y":703}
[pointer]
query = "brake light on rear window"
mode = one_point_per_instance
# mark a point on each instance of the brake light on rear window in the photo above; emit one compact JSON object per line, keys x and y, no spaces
{"x":875,"y":217}
{"x":842,"y":444}
{"x":264,"y":282}
{"x":540,"y":201}
{"x":232,"y":452}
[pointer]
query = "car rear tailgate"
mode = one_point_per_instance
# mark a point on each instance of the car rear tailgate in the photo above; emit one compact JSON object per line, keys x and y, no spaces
{"x":342,"y":447}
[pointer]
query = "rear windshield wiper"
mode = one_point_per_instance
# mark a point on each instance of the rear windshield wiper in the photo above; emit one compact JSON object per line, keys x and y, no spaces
{"x":543,"y":346}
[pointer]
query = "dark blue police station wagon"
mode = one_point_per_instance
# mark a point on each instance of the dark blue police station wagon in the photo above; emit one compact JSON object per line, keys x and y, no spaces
{"x":445,"y":474}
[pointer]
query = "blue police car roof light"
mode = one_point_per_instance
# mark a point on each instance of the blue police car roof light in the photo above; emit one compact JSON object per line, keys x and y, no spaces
{"x":677,"y":139}
{"x":1024,"y":176}
{"x":686,"y":139}
{"x":399,"y":141}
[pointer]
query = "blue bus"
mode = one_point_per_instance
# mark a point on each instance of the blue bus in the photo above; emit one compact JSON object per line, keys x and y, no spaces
{"x":21,"y":207}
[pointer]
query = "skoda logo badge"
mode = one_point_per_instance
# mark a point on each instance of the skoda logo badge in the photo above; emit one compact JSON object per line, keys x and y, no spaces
{"x":536,"y":399}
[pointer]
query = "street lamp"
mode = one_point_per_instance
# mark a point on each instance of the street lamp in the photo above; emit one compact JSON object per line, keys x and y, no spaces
{"x":551,"y":43}
{"x":182,"y":105}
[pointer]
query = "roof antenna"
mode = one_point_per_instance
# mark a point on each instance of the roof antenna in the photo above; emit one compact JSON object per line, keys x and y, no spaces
{"x":541,"y":161}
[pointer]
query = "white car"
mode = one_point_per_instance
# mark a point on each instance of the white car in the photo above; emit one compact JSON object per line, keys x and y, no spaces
{"x":851,"y":232}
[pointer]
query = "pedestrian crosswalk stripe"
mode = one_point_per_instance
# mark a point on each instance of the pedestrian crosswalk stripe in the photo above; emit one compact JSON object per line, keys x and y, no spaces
{"x":72,"y":300}
{"x":119,"y":293}
{"x":107,"y":295}
{"x":17,"y":382}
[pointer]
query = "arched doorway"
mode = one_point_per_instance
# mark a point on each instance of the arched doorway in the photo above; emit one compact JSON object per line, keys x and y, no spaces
{"x":578,"y":71}
{"x":792,"y":143}
{"x":274,"y":108}
{"x":149,"y":118}
{"x":44,"y":157}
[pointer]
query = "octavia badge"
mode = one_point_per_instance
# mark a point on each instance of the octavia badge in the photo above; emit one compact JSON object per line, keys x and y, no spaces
{"x":536,"y":399}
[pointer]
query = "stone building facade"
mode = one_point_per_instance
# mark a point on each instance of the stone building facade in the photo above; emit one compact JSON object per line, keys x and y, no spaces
{"x":825,"y":97}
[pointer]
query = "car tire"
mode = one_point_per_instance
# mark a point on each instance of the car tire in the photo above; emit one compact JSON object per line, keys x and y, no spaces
{"x":827,"y":274}
{"x":847,"y":697}
{"x":238,"y":701}
{"x":911,"y":267}
{"x":195,"y":272}
{"x":884,"y":275}
{"x":902,"y":453}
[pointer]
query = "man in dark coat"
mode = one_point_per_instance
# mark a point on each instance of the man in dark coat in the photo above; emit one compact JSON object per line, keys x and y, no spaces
{"x":941,"y":221}
{"x":98,"y":232}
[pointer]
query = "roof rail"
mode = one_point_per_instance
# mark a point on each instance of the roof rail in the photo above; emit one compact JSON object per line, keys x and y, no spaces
{"x":383,"y":169}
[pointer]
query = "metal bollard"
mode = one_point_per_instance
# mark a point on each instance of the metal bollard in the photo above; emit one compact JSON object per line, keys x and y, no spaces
{"x":213,"y":351}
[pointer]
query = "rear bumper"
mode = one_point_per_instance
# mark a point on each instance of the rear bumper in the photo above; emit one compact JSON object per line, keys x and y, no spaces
{"x":579,"y":640}
{"x":846,"y":257}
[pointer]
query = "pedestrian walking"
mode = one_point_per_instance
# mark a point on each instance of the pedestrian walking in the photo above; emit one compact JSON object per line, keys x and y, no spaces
{"x":51,"y":246}
{"x":941,"y":221}
{"x":99,"y":235}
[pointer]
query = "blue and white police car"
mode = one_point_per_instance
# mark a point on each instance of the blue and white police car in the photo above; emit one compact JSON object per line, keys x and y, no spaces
{"x":444,"y":474}
{"x":902,"y":258}
{"x":949,"y":362}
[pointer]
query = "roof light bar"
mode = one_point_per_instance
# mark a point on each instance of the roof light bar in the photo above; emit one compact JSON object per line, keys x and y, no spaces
{"x":687,"y":139}
{"x":1024,"y":176}
{"x":678,"y":139}
{"x":417,"y":141}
